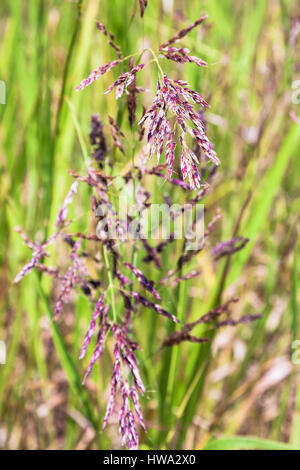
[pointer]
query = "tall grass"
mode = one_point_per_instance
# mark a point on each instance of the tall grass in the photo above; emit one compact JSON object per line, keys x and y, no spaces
{"x":240,"y":389}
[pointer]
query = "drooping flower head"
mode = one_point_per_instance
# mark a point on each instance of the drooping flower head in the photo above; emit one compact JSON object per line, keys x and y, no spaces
{"x":173,"y":112}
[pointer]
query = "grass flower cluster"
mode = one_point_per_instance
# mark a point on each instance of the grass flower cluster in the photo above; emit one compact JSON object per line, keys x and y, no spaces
{"x":149,"y":261}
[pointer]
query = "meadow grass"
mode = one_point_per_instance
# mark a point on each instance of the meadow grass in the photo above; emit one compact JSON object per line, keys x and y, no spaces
{"x":241,"y":389}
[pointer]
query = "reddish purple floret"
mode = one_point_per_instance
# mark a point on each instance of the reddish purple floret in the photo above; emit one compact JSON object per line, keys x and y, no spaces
{"x":91,"y":327}
{"x":175,"y":96}
{"x":63,"y":213}
{"x":148,"y":285}
{"x":97,"y":74}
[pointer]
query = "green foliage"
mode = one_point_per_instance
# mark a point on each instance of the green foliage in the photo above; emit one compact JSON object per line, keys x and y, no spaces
{"x":46,"y":48}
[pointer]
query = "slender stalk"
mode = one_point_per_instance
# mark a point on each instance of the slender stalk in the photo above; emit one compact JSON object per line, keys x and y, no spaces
{"x":66,"y":72}
{"x":156,"y":60}
{"x":111,"y":283}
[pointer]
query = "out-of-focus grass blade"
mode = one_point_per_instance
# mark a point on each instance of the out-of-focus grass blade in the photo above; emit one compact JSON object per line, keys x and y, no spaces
{"x":65,"y":140}
{"x":252,"y":22}
{"x":243,"y":443}
{"x":78,"y":130}
{"x":261,"y":204}
{"x":294,"y":305}
{"x":295,"y":431}
{"x":66,"y":360}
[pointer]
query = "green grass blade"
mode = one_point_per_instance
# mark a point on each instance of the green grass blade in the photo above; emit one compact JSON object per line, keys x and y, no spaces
{"x":243,"y":443}
{"x":261,"y":204}
{"x":66,"y":360}
{"x":294,"y":302}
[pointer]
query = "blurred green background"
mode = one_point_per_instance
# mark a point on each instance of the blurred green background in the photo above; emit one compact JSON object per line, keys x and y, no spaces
{"x":246,"y":392}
